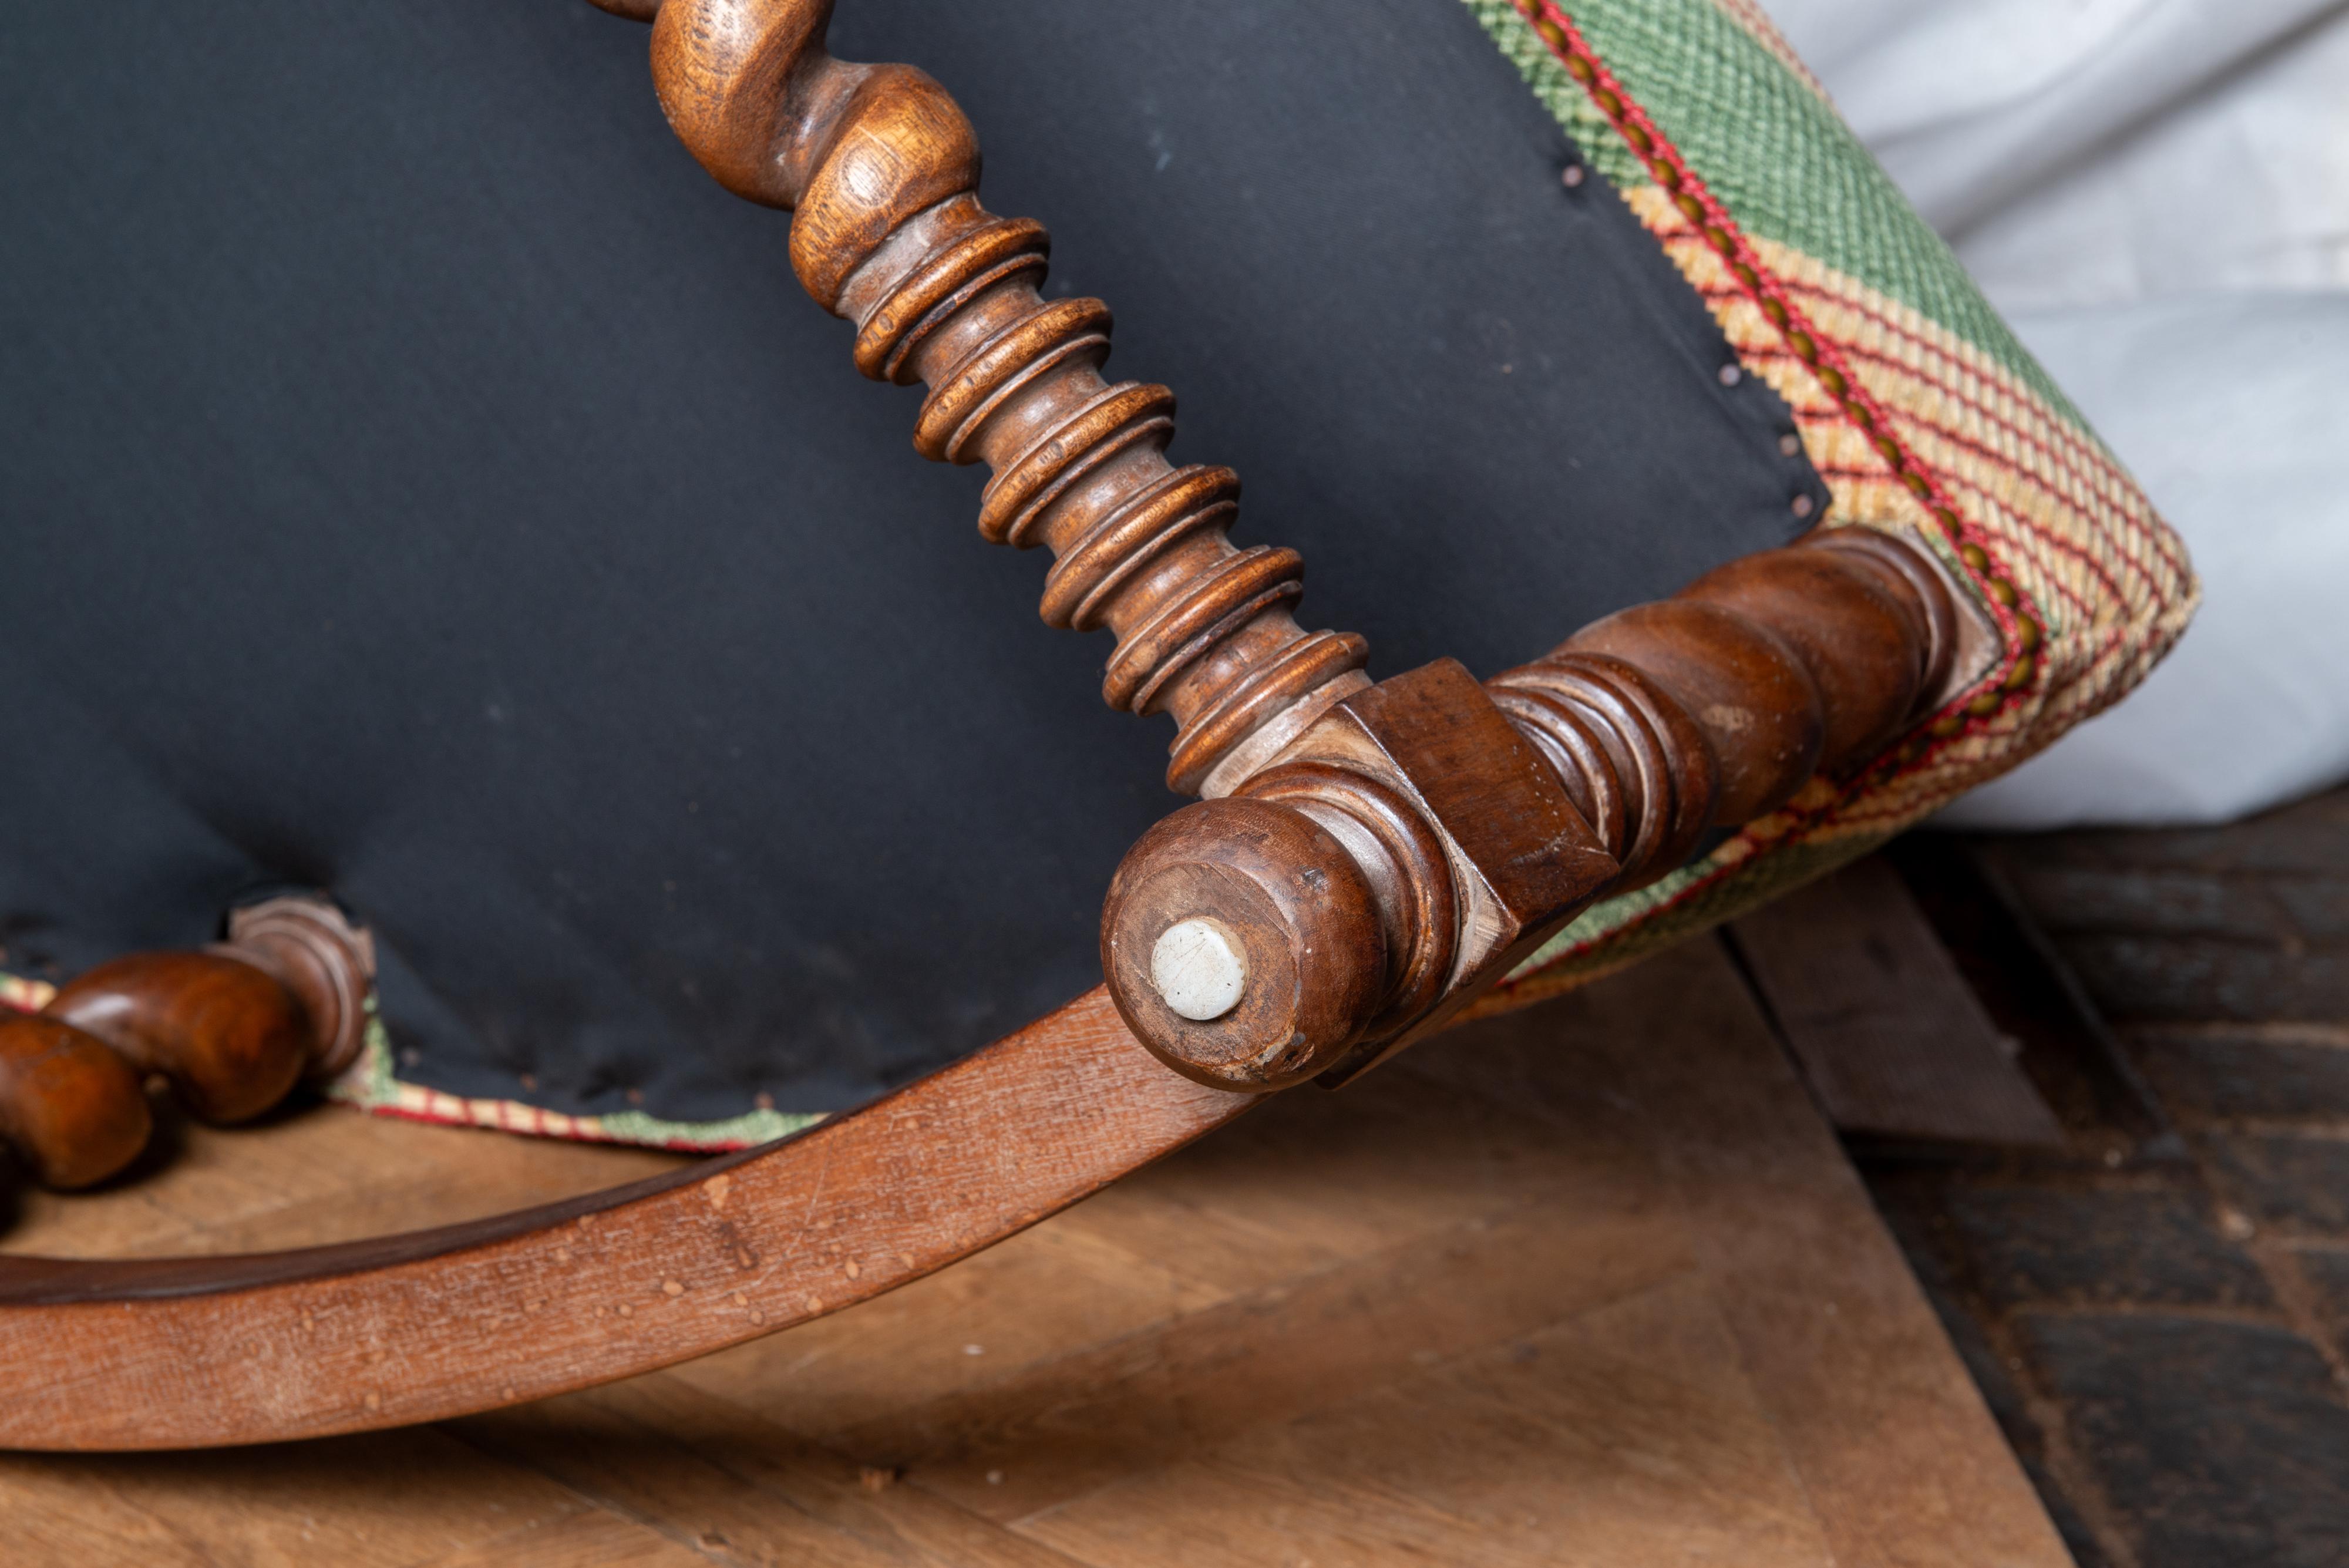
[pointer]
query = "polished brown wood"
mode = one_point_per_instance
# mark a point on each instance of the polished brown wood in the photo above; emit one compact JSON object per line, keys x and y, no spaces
{"x":1713,"y":707}
{"x":1587,"y":1285}
{"x":1312,"y":952}
{"x":232,"y":1029}
{"x":181,"y":1353}
{"x":1468,"y":825}
{"x":246,"y":1349}
{"x":880,"y":171}
{"x":1407,"y":865}
{"x":1446,"y":819}
{"x":1598,"y":767}
{"x":1709,"y":708}
{"x":71,"y":1109}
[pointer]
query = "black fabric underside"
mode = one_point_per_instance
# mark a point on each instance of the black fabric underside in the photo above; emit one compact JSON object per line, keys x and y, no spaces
{"x":419,"y":479}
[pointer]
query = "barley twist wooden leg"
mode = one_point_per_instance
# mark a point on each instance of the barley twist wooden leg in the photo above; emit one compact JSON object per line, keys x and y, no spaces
{"x":880,"y":171}
{"x":1477,"y":821}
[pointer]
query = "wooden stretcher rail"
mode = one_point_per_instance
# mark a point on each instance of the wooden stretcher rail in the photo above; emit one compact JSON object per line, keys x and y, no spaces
{"x":187,"y":1352}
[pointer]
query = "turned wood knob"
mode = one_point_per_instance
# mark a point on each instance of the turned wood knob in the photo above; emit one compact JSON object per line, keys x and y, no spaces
{"x":1422,"y":836}
{"x":880,"y":171}
{"x":1243,"y":944}
{"x":73,"y":1109}
{"x":329,"y":963}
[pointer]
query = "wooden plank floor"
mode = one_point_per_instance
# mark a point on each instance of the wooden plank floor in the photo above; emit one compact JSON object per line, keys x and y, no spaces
{"x":1893,"y":1040}
{"x":1591,"y":1284}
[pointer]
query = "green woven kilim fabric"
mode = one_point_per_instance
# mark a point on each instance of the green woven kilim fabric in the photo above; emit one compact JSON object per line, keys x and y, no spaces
{"x":1775,"y":153}
{"x":1965,"y":439}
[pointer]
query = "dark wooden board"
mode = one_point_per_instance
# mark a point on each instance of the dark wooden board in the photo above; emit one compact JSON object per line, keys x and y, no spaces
{"x":1893,"y":1042}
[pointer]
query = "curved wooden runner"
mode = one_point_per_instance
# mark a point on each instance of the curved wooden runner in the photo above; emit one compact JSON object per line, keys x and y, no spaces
{"x":186,"y":1353}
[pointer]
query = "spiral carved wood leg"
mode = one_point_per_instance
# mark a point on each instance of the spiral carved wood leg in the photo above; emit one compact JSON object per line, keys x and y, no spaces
{"x":1713,"y":707}
{"x":232,"y":1029}
{"x":880,"y":171}
{"x":1442,"y":831}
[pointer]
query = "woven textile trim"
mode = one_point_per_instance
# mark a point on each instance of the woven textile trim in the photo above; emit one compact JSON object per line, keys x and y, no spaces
{"x":1916,"y":405}
{"x":372,"y":1085}
{"x":1768,"y":143}
{"x":1756,"y":22}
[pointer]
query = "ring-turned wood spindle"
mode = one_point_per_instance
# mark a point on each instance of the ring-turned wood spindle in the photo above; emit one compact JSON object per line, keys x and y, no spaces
{"x":1422,"y":809}
{"x":880,"y":171}
{"x":1713,"y":707}
{"x":232,"y":1028}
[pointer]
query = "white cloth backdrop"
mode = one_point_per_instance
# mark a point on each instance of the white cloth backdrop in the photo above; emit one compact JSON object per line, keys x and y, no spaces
{"x":2155,"y":193}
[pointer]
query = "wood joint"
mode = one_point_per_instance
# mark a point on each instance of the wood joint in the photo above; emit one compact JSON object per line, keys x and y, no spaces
{"x":1437,"y":832}
{"x":1405,"y":851}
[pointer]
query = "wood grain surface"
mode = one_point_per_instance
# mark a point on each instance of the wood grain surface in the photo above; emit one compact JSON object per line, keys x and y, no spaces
{"x":1590,"y":1284}
{"x":1893,"y":1040}
{"x":294,"y":1342}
